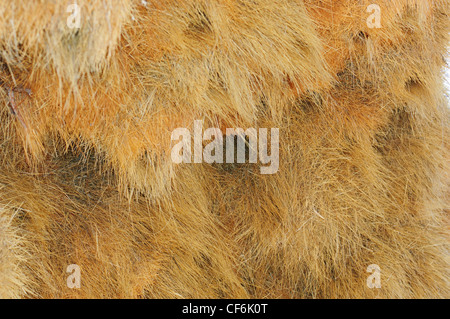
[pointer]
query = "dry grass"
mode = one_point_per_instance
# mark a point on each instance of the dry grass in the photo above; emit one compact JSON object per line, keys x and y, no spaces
{"x":85,"y":170}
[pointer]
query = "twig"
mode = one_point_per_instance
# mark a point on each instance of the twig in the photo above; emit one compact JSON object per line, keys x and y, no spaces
{"x":13,"y":106}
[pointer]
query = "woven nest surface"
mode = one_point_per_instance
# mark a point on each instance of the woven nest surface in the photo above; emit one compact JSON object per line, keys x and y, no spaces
{"x":86,"y":175}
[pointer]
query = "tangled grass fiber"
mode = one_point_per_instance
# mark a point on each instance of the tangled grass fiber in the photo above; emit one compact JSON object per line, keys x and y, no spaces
{"x":86,"y":176}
